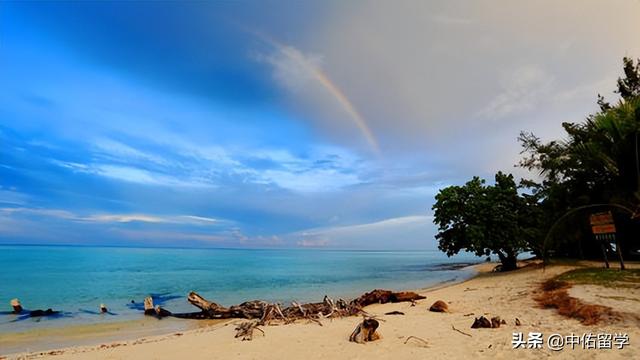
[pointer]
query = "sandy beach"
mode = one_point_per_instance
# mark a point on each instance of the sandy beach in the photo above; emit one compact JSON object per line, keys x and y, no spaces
{"x":417,"y":334}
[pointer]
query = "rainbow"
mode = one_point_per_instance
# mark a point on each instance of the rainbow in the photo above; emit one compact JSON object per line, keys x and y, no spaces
{"x":324,"y":80}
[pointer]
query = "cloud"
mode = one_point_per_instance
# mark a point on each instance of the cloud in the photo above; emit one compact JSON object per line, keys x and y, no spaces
{"x":13,"y":197}
{"x":413,"y":229}
{"x":522,"y":90}
{"x":319,"y":169}
{"x":313,"y":243}
{"x":112,"y":218}
{"x":292,"y":68}
{"x":115,"y":150}
{"x":170,"y":237}
{"x":255,"y":241}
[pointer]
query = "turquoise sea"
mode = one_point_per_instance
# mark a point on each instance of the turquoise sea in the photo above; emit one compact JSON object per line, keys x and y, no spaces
{"x":75,"y":280}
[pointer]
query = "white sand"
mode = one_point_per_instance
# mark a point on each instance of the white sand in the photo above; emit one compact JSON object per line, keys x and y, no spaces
{"x":508,"y":295}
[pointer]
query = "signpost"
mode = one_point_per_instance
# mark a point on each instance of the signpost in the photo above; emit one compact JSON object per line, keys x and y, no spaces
{"x":604,"y":229}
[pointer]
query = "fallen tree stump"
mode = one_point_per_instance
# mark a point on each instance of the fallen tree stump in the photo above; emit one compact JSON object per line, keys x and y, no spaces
{"x":365,"y":331}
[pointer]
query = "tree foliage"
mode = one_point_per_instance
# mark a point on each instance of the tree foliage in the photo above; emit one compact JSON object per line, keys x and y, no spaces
{"x":597,"y":161}
{"x":484,"y":219}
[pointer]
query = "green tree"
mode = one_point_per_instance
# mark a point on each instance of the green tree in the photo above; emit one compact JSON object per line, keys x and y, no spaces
{"x":598,"y":162}
{"x":485,"y":219}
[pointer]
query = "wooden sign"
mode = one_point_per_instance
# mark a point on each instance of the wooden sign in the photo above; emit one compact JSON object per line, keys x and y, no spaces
{"x":604,"y":229}
{"x":602,"y":223}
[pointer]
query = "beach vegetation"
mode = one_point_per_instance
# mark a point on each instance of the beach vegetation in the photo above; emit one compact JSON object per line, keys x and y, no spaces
{"x":485,"y":219}
{"x":597,"y":162}
{"x":602,"y":277}
{"x":594,"y":167}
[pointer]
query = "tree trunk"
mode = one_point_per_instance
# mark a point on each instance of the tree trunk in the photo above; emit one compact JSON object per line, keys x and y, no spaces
{"x":509,"y":261}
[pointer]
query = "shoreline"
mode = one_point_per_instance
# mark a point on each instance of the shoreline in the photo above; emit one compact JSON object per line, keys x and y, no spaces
{"x":70,"y":336}
{"x":442,"y":335}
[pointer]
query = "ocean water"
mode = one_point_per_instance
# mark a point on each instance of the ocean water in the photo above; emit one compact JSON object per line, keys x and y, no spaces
{"x":75,"y":280}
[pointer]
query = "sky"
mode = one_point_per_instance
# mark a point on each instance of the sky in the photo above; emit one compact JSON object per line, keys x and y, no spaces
{"x":260,"y":124}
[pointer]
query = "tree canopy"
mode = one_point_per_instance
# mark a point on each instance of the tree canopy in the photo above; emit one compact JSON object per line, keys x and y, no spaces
{"x":484,"y":219}
{"x":597,"y":162}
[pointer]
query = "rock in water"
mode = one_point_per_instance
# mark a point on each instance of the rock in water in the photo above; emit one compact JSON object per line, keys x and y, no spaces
{"x":439,"y":306}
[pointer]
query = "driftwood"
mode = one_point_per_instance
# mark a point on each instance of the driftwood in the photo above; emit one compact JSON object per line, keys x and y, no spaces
{"x":394,"y":313}
{"x":424,"y":342}
{"x":148,"y":306}
{"x":48,"y":312}
{"x":266,"y":312}
{"x":365,"y":331}
{"x":245,"y":330}
{"x":15,"y":304}
{"x":460,"y":331}
{"x":18,"y":309}
{"x":385,"y":296}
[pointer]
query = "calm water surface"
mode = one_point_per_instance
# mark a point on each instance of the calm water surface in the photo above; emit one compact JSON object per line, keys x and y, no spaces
{"x":77,"y":279}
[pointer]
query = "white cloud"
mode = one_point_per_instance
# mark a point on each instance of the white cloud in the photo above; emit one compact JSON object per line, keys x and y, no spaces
{"x":13,"y":197}
{"x":169,"y":237}
{"x":292,"y":68}
{"x":113,"y":218}
{"x":313,"y":243}
{"x":522,"y":89}
{"x":147,"y":177}
{"x":116,"y":150}
{"x":312,"y":180}
{"x":416,"y":230}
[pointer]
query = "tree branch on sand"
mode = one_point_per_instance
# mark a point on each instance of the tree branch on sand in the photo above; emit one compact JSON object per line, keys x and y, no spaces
{"x":266,"y":312}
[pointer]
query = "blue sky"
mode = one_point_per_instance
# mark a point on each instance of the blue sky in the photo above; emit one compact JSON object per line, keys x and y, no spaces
{"x":279,"y":124}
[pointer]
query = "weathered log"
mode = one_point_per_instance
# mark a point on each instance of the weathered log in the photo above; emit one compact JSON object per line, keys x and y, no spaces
{"x":17,"y":307}
{"x":48,"y":312}
{"x":148,"y":306}
{"x":365,"y":331}
{"x":385,"y":296}
{"x":266,"y":312}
